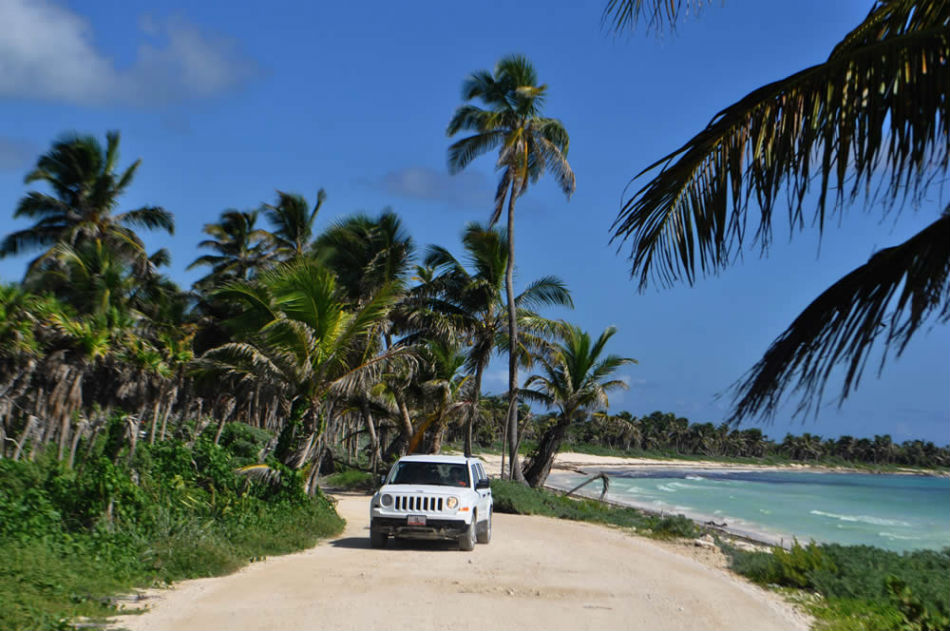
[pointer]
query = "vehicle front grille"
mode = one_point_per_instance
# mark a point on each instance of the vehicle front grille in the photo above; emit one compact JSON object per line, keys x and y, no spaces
{"x":421,"y":503}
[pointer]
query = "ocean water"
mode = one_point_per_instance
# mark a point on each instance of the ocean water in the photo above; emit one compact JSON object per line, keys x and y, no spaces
{"x":895,"y":512}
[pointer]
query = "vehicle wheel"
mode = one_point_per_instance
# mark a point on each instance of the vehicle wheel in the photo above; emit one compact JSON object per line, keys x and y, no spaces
{"x":377,"y":539}
{"x":467,"y":541}
{"x":484,"y":535}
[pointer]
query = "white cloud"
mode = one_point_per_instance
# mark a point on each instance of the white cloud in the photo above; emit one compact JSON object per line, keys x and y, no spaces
{"x":16,"y":154}
{"x":464,"y":190}
{"x":47,"y":52}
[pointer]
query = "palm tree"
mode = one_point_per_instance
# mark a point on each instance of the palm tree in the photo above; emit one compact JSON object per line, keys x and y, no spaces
{"x":240,"y":248}
{"x":86,"y":187}
{"x":576,"y":381}
{"x":297,"y":340}
{"x":445,"y":386}
{"x":529,"y":144}
{"x":469,"y":303}
{"x":367,"y":255}
{"x":293,"y":223}
{"x":874,"y":114}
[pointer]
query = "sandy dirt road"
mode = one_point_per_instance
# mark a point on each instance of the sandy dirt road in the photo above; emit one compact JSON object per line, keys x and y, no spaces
{"x":537,"y":573}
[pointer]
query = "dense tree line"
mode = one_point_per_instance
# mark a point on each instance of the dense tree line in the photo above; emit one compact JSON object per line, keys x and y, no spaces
{"x":665,"y":433}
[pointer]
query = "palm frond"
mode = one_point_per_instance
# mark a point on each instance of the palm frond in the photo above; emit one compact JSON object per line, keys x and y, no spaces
{"x":621,"y":15}
{"x":150,"y":217}
{"x":879,"y":111}
{"x":462,"y":152}
{"x":545,"y":292}
{"x":888,"y":297}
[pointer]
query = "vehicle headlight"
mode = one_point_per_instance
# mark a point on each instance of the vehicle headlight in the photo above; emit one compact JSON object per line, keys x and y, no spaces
{"x":451,"y":503}
{"x":386,"y":499}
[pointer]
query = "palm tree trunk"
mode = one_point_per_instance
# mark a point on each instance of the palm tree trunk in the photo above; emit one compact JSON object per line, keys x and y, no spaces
{"x":473,"y":410}
{"x":374,"y":454}
{"x":30,"y":424}
{"x":156,"y":412}
{"x":514,"y":466}
{"x":539,"y":467}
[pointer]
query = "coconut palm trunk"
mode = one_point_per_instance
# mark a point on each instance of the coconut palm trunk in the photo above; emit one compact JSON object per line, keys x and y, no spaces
{"x":540,"y":466}
{"x":514,"y":466}
{"x":473,"y":410}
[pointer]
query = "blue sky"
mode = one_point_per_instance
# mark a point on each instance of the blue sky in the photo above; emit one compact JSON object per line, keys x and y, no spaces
{"x":227,"y":101}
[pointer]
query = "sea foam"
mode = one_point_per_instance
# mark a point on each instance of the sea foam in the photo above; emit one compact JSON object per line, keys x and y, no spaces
{"x":864,"y":519}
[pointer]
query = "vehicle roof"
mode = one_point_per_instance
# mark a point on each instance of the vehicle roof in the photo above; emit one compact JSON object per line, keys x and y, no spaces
{"x":439,"y":458}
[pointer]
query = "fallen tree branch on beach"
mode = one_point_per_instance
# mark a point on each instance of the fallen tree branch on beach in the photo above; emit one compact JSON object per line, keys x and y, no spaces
{"x":599,"y":476}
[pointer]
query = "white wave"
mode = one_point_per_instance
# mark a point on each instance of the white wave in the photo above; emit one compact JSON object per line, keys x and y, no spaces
{"x":669,"y":488}
{"x":891,"y":535}
{"x":695,"y":477}
{"x":864,"y":519}
{"x":765,"y":511}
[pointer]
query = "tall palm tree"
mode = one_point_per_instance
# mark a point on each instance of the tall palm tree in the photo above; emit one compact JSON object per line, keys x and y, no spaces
{"x":240,"y":249}
{"x":459,"y":301}
{"x":575,"y":380}
{"x":528,"y":144}
{"x":293,"y":223}
{"x":874,"y":115}
{"x":86,"y":189}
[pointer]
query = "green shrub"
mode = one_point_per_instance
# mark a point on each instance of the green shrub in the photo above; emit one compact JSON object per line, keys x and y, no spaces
{"x":513,"y":497}
{"x":863,"y":587}
{"x":350,"y":479}
{"x":70,"y":539}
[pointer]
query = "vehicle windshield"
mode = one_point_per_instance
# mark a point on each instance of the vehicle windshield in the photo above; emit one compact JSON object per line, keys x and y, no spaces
{"x":434,"y":473}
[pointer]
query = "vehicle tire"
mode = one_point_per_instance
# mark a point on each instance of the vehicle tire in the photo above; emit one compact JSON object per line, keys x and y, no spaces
{"x":377,"y":539}
{"x":467,"y":540}
{"x":484,"y":535}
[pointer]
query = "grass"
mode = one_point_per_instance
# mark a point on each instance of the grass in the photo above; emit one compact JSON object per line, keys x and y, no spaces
{"x":512,"y":497}
{"x":350,"y":480}
{"x":860,"y":587}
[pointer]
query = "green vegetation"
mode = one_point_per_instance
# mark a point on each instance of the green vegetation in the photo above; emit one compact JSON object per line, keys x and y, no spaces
{"x":667,"y":435}
{"x":71,"y":539}
{"x":513,"y":497}
{"x":861,"y":587}
{"x":350,"y":480}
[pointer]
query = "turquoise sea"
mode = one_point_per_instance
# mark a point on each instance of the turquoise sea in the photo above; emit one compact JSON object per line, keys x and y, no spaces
{"x":896,"y":512}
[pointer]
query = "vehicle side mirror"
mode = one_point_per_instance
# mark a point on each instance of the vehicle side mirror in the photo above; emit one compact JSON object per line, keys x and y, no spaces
{"x":483,"y":484}
{"x":382,"y":480}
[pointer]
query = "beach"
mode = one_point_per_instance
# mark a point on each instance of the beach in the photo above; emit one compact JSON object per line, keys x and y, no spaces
{"x":772,"y":504}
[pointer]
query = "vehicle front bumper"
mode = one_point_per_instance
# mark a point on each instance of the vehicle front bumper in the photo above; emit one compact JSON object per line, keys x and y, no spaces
{"x":434,"y":528}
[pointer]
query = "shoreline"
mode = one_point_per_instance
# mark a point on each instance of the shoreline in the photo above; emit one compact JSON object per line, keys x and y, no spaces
{"x":582,"y":462}
{"x":591,"y":465}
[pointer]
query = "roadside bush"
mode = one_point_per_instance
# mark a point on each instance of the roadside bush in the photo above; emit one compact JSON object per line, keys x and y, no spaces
{"x":70,"y":539}
{"x":350,"y":479}
{"x":516,"y":498}
{"x":863,"y":587}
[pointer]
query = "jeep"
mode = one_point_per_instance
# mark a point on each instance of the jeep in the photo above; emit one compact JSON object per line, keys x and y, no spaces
{"x":433,"y":497}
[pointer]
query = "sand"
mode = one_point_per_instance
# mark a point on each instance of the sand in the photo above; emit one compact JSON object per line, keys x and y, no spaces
{"x":537,"y":573}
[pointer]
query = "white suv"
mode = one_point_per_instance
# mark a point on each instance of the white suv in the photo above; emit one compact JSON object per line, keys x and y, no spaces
{"x":433,"y":497}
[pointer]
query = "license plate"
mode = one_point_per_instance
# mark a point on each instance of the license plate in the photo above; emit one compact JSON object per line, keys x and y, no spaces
{"x":416,"y":520}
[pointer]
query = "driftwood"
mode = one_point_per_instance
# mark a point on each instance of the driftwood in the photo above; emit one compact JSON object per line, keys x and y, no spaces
{"x":599,"y":476}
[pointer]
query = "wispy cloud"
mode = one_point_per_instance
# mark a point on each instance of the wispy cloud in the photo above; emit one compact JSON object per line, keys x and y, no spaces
{"x":47,"y":52}
{"x":16,"y":154}
{"x":469,"y":189}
